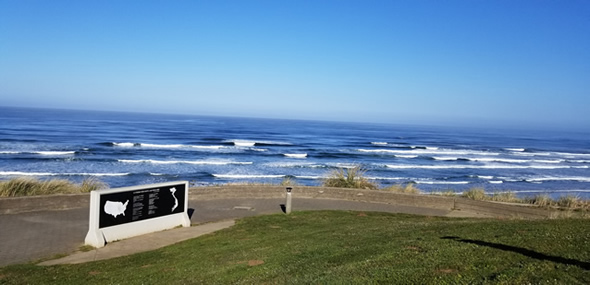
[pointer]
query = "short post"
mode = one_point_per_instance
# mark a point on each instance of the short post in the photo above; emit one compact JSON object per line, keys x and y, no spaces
{"x":288,"y":202}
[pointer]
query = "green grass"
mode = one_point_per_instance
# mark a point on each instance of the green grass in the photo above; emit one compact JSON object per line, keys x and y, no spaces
{"x":338,"y":247}
{"x":25,"y":186}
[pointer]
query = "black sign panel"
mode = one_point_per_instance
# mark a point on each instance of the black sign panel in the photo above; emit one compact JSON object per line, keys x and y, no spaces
{"x":140,"y":204}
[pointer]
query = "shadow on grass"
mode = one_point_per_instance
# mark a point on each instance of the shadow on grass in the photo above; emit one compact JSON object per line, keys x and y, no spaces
{"x":524,"y":251}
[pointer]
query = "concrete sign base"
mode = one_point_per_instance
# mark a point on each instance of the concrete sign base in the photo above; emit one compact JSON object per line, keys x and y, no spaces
{"x":131,"y":211}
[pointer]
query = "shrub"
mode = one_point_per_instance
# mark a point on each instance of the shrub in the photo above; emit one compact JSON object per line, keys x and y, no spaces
{"x":349,"y":178}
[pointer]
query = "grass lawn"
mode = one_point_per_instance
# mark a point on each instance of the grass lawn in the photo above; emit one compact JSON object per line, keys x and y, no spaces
{"x":349,"y":247}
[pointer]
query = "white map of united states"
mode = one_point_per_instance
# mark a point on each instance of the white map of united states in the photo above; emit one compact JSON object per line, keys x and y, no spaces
{"x":115,"y":208}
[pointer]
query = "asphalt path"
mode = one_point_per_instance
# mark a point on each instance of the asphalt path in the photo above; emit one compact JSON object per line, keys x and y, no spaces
{"x":34,"y":236}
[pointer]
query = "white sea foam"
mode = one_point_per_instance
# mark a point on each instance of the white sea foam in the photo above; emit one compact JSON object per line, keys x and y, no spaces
{"x":245,"y":144}
{"x":510,"y":160}
{"x":573,"y":154}
{"x":388,"y":178}
{"x":12,"y":173}
{"x":54,"y":152}
{"x":579,"y":161}
{"x":99,"y":174}
{"x":484,"y":177}
{"x":167,"y":146}
{"x":405,"y":156}
{"x":196,"y":162}
{"x":379,"y":143}
{"x":482,"y":166}
{"x":445,"y":158}
{"x":207,"y":146}
{"x":298,"y":164}
{"x":342,"y":165}
{"x":124,"y":144}
{"x":496,"y":181}
{"x":310,"y":177}
{"x":516,"y":149}
{"x":296,"y":155}
{"x":532,"y":153}
{"x":432,"y":151}
{"x":47,"y":153}
{"x":251,"y":143}
{"x":162,"y":145}
{"x":19,"y":173}
{"x":559,"y":178}
{"x":442,"y":182}
{"x":246,"y":176}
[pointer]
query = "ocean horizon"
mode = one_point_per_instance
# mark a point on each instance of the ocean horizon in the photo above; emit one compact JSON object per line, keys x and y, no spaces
{"x":126,"y":149}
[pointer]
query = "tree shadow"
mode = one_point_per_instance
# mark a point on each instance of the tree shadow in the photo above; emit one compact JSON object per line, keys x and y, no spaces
{"x":524,"y":251}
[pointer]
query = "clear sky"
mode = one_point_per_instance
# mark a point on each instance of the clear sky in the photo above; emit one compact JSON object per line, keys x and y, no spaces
{"x":511,"y":62}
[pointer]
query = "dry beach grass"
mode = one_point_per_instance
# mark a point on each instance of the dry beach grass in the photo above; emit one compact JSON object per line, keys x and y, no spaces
{"x":25,"y":186}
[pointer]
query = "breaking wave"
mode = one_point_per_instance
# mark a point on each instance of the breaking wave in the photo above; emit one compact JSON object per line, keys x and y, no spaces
{"x":482,"y":166}
{"x":431,"y":151}
{"x":166,"y":146}
{"x":197,"y":162}
{"x":47,"y":153}
{"x":296,"y":155}
{"x":247,"y":176}
{"x":19,"y":173}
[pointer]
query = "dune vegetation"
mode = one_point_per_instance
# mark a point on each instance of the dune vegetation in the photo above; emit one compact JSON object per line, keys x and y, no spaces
{"x":26,"y":186}
{"x":349,"y":178}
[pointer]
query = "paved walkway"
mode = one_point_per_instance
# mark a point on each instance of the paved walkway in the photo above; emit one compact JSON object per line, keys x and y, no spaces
{"x":29,"y":237}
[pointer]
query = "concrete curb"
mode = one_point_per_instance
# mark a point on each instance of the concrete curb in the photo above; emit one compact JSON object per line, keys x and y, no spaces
{"x":494,"y":209}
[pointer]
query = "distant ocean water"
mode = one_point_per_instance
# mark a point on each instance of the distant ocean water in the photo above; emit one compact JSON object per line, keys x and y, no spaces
{"x":125,"y":149}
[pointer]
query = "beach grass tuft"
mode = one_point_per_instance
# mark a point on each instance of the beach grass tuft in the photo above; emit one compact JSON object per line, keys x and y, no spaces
{"x":26,"y":186}
{"x":409,"y":188}
{"x":349,"y":178}
{"x":475,"y":194}
{"x":569,"y":201}
{"x":509,"y":197}
{"x":541,"y":200}
{"x":288,"y":181}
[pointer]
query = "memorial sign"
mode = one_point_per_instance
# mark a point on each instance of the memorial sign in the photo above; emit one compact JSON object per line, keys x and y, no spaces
{"x":130,"y":211}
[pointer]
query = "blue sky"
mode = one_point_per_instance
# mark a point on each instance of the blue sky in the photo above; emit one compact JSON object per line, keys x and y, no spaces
{"x":427,"y":62}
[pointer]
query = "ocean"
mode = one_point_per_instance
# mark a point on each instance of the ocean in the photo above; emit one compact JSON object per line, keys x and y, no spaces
{"x":126,"y":149}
